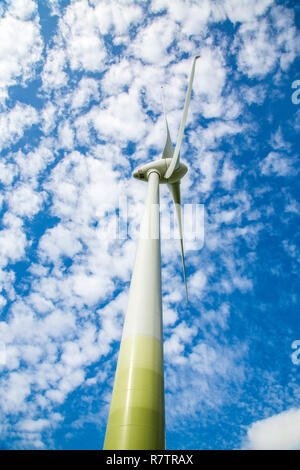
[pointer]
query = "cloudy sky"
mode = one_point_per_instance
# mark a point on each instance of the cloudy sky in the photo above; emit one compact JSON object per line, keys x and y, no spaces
{"x":80,"y":108}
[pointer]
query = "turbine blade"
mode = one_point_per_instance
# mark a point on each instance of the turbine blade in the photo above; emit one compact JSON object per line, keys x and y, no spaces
{"x":175,"y":159}
{"x":175,"y":191}
{"x":168,"y":149}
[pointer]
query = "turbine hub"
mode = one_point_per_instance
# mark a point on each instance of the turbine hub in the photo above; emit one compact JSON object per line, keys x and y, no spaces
{"x":160,"y":166}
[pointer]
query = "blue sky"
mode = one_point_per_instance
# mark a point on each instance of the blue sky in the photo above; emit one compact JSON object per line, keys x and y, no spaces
{"x":80,"y":108}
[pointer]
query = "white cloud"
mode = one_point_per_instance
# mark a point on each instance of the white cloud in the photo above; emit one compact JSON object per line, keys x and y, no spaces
{"x":65,"y":135}
{"x":229,"y":174}
{"x":3,"y":302}
{"x":32,"y":164}
{"x":214,"y":133}
{"x":264,"y":44}
{"x":254,"y":94}
{"x":245,"y":10}
{"x":208,"y":168}
{"x":12,"y":240}
{"x":276,"y":163}
{"x":209,"y":82}
{"x":23,"y":201}
{"x":56,"y":7}
{"x":153,"y":41}
{"x":291,"y":249}
{"x":279,"y":432}
{"x":287,"y":36}
{"x":118,"y":76}
{"x":72,"y":380}
{"x":292,"y":205}
{"x":15,"y":122}
{"x":39,"y":303}
{"x":210,"y":73}
{"x":53,"y":74}
{"x":21,"y":48}
{"x":174,"y":346}
{"x":83,"y":186}
{"x":59,"y":241}
{"x":87,"y":90}
{"x":116,"y":16}
{"x":7,"y":173}
{"x":112,"y":317}
{"x":200,"y":380}
{"x":119,"y":118}
{"x":17,"y":388}
{"x":258,"y":53}
{"x":48,"y":117}
{"x":33,"y":425}
{"x":22,"y":9}
{"x":197,"y":283}
{"x":85,"y":351}
{"x":84,"y":47}
{"x":192,"y":16}
{"x":216,"y":319}
{"x":170,"y":316}
{"x":7,"y":278}
{"x":278,"y":142}
{"x":90,"y":287}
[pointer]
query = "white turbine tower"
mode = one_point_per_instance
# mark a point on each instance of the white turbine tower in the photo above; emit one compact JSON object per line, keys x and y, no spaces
{"x":137,"y":412}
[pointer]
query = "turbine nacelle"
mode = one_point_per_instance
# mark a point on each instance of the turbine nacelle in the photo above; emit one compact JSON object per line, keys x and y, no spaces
{"x":161,"y":166}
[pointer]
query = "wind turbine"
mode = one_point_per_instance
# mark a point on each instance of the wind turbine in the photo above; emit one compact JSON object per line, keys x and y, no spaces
{"x":137,"y":413}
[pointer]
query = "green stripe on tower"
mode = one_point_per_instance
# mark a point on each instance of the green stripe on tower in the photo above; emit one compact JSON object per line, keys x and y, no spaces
{"x":136,"y":419}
